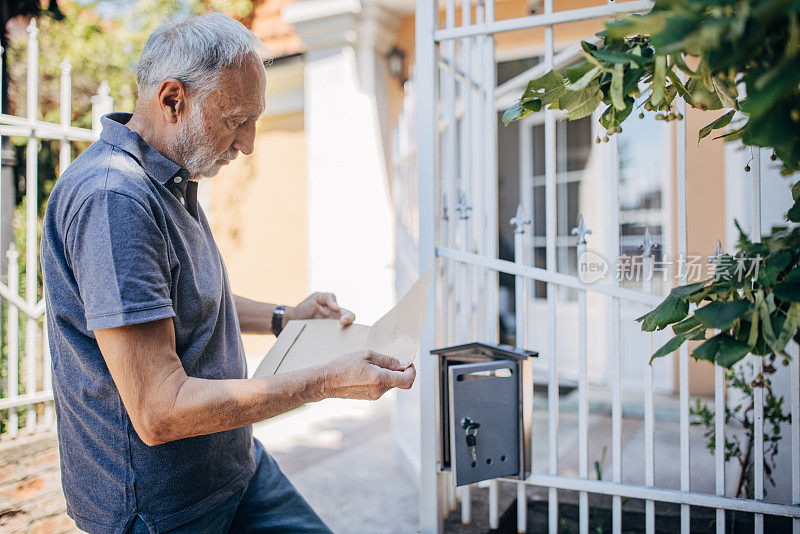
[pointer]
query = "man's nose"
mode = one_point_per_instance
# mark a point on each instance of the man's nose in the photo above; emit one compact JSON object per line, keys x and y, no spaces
{"x":246,"y":138}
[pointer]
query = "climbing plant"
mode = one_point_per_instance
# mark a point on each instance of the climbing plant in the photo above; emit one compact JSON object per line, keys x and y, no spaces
{"x":739,"y":55}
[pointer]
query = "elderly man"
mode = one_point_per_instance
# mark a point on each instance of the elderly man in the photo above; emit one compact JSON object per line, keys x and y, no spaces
{"x":154,"y":407}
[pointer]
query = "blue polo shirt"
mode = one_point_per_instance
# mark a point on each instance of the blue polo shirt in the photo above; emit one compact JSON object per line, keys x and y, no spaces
{"x":124,"y":242}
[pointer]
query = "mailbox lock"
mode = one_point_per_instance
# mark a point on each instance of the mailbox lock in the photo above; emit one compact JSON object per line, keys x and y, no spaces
{"x":471,"y":429}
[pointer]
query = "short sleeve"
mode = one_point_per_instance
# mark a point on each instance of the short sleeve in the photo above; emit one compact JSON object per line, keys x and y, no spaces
{"x":119,"y":257}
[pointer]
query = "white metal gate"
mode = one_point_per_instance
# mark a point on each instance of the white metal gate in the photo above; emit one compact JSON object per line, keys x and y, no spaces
{"x":34,"y":360}
{"x":457,"y":189}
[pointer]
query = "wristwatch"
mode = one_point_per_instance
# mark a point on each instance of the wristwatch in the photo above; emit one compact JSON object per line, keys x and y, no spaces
{"x":277,"y":319}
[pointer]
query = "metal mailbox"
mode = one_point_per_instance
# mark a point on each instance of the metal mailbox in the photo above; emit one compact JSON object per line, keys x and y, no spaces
{"x":485,"y":420}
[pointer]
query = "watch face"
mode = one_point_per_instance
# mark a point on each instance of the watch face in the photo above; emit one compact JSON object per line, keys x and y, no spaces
{"x":277,"y":319}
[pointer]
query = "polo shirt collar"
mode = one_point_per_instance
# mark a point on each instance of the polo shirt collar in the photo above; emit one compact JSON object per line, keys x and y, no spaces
{"x":155,"y":164}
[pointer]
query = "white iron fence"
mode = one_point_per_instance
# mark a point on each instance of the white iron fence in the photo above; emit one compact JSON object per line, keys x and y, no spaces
{"x":28,"y":377}
{"x":456,"y":125}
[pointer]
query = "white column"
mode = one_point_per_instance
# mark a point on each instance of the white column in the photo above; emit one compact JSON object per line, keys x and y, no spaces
{"x":350,"y":226}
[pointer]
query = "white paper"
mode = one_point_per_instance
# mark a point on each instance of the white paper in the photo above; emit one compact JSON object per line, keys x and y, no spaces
{"x":311,"y":342}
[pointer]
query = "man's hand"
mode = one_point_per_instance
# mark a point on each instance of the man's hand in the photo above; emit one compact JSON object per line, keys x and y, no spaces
{"x":366,"y":375}
{"x":320,"y":306}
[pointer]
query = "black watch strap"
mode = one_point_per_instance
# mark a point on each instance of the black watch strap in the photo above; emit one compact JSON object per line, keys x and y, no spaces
{"x":277,"y":319}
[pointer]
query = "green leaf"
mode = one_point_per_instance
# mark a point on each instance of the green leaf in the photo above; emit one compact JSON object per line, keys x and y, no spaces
{"x":686,"y":326}
{"x":547,"y":88}
{"x":676,"y":81}
{"x":790,"y":325}
{"x":659,"y":76}
{"x":515,"y":113}
{"x":611,"y":118}
{"x":752,"y":339}
{"x":575,"y":72}
{"x":677,"y":60}
{"x":581,"y":103}
{"x":688,"y":289}
{"x":796,"y":190}
{"x":787,"y":291}
{"x":705,"y":76}
{"x":671,"y":346}
{"x":721,"y":315}
{"x":730,"y":350}
{"x":532,"y":105}
{"x":701,"y":97}
{"x":584,"y":80}
{"x":671,"y":310}
{"x":772,"y":266}
{"x":721,"y":122}
{"x":708,"y":350}
{"x":727,"y":94}
{"x":781,"y":328}
{"x":690,"y":329}
{"x":616,"y":87}
{"x":620,"y":58}
{"x":723,"y":349}
{"x":794,"y":213}
{"x":649,"y":24}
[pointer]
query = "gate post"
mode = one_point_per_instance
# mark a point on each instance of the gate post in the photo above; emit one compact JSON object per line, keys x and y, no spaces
{"x":429,"y":479}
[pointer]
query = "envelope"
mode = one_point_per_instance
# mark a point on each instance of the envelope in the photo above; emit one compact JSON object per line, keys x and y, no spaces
{"x":311,"y":342}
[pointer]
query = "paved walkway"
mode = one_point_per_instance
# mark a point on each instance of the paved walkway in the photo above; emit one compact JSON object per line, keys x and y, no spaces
{"x":340,"y":454}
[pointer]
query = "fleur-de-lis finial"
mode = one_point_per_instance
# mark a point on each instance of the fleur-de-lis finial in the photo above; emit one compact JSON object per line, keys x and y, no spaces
{"x":462,"y":207}
{"x":12,"y":253}
{"x":32,"y":30}
{"x":519,"y":220}
{"x":714,"y":258}
{"x":581,"y":230}
{"x":65,"y":65}
{"x":648,"y":244}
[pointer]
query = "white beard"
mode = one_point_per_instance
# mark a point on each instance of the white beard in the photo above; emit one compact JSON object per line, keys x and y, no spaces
{"x":196,"y":150}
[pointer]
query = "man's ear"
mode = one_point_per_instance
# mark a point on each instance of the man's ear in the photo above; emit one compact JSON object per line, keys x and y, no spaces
{"x":171,"y":100}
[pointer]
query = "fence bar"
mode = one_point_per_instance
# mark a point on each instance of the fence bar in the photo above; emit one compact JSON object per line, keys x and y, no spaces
{"x":795,"y":430}
{"x":520,"y":221}
{"x":614,"y":354}
{"x":719,"y":437}
{"x":24,"y":127}
{"x":425,"y":65}
{"x":448,"y":52}
{"x":649,"y":401}
{"x":542,"y":275}
{"x":13,"y":340}
{"x":485,"y":141}
{"x":549,"y":18}
{"x":466,"y":173}
{"x":631,"y":491}
{"x":758,"y":361}
{"x":683,"y":352}
{"x":24,"y":400}
{"x":490,"y":170}
{"x":65,"y":150}
{"x":552,"y":289}
{"x":463,"y":313}
{"x":32,"y":219}
{"x":583,"y":402}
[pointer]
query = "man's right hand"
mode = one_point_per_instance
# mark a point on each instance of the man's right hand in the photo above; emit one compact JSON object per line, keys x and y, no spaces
{"x":366,"y":375}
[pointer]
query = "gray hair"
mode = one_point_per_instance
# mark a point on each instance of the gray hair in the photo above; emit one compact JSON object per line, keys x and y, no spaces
{"x":193,"y":51}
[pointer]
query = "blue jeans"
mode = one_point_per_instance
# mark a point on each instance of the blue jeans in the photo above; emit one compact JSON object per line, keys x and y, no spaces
{"x":269,"y":504}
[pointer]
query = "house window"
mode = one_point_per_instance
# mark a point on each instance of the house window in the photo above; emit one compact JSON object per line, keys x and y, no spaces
{"x":582,"y":175}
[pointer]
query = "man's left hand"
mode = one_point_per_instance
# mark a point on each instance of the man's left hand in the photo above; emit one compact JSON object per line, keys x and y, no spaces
{"x":320,"y":306}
